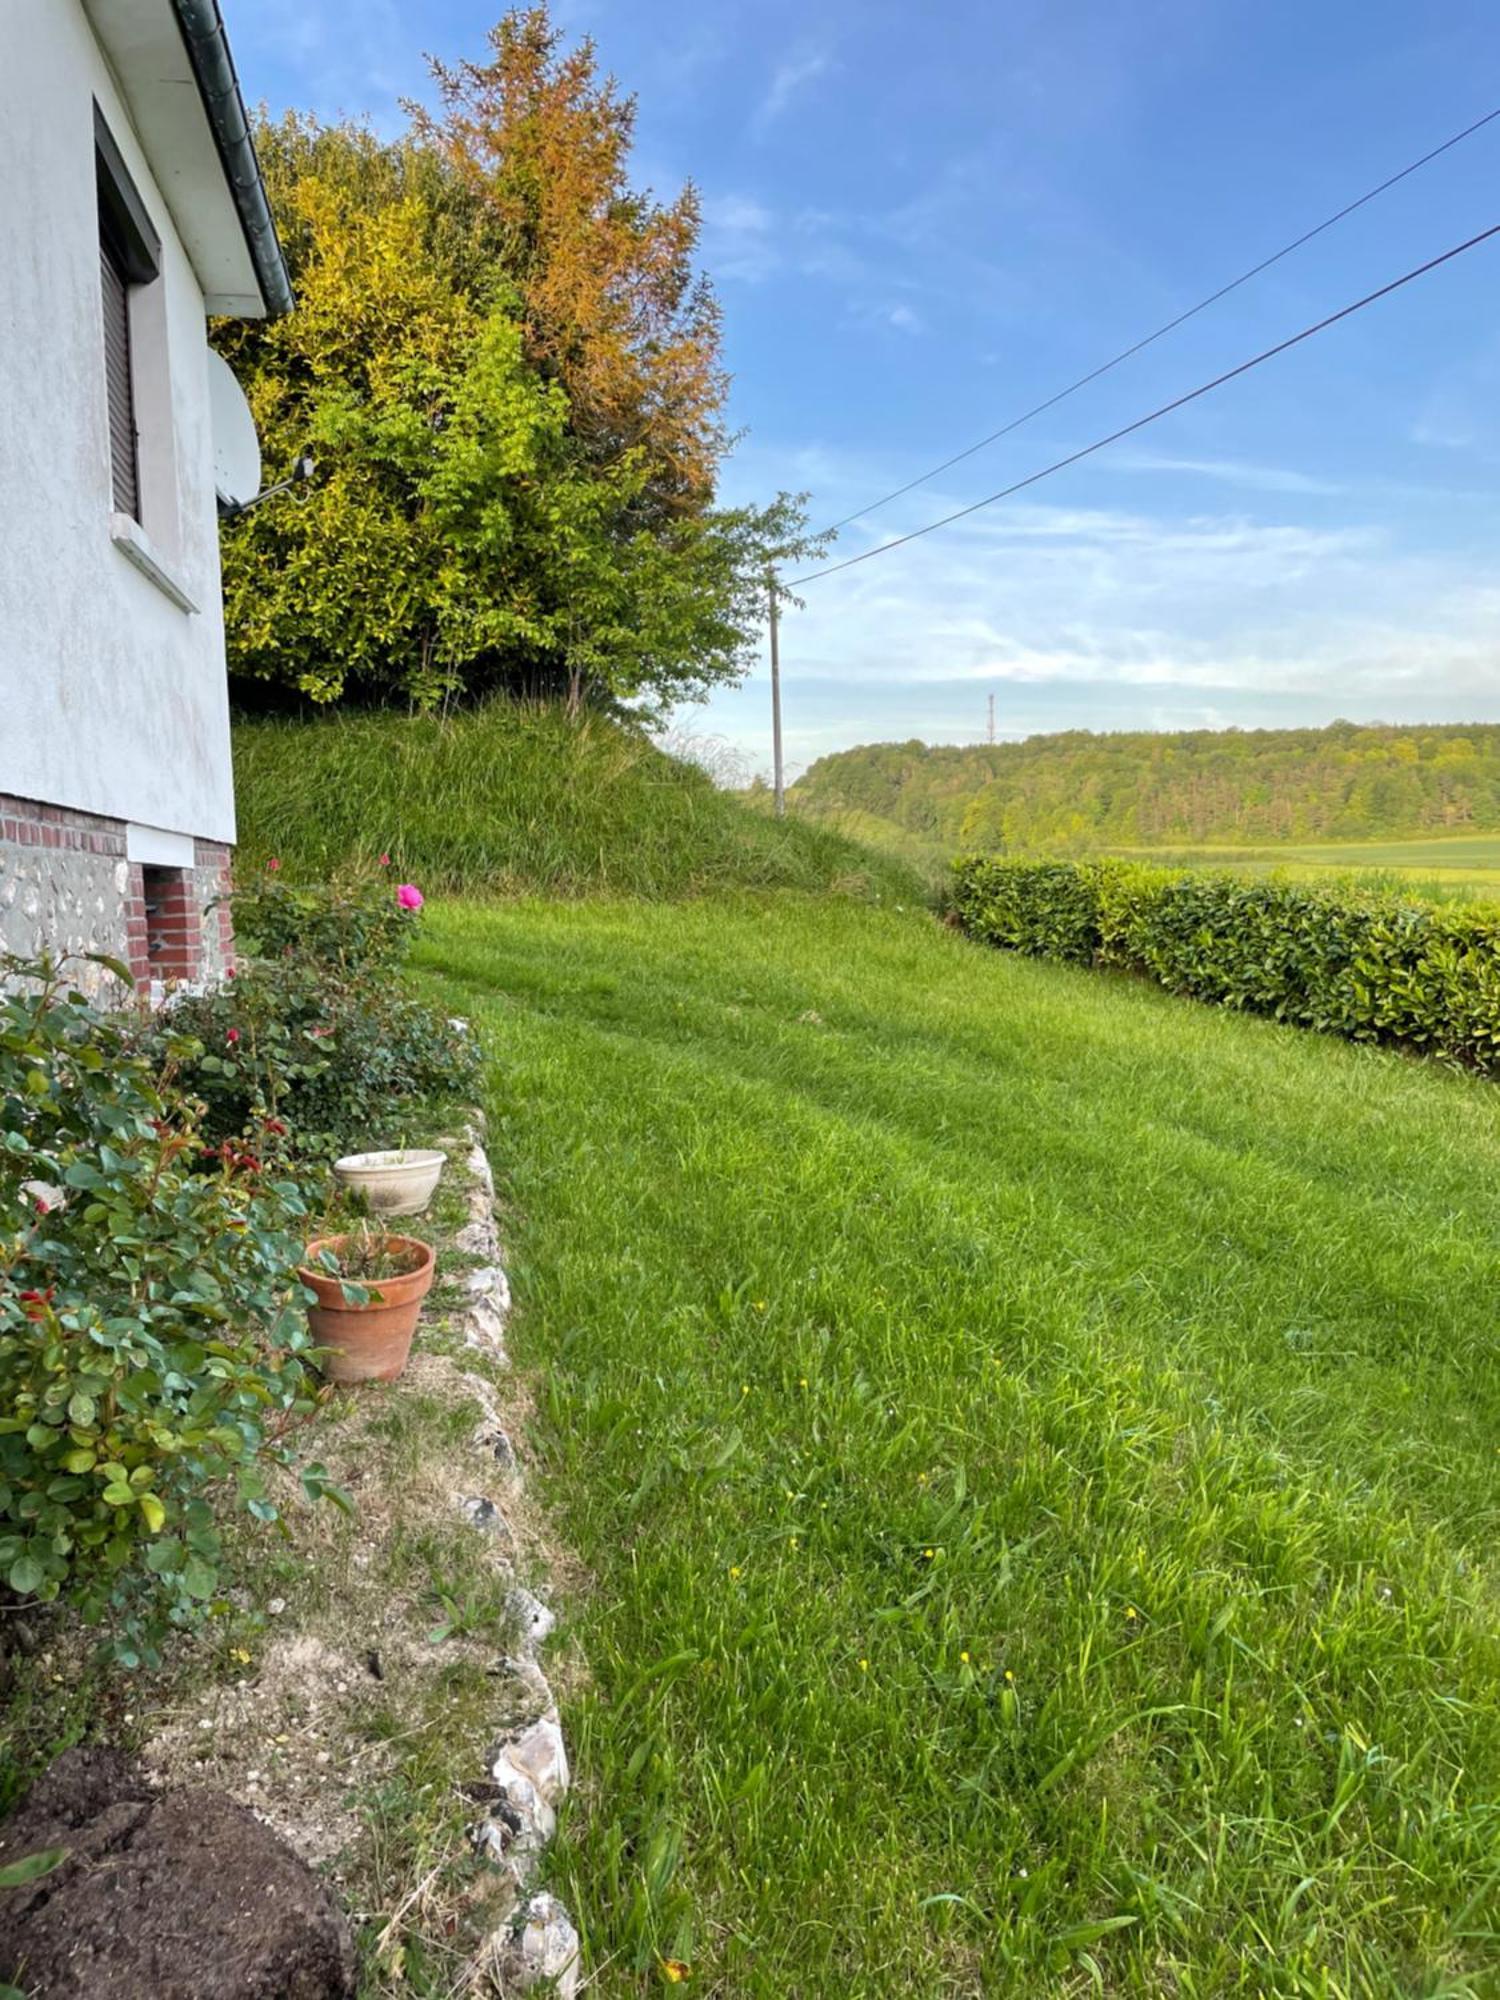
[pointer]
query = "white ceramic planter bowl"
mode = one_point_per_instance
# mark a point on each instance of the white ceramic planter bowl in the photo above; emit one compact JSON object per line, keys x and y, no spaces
{"x":398,"y":1183}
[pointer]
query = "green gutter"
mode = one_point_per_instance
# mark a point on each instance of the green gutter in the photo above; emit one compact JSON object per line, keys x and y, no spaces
{"x":202,"y":28}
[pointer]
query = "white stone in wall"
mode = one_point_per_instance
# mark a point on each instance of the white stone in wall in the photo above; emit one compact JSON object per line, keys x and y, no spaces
{"x":479,"y":1238}
{"x":540,"y":1754}
{"x":537,"y":1623}
{"x":489,"y":1303}
{"x":543,"y":1947}
{"x":534,"y":1820}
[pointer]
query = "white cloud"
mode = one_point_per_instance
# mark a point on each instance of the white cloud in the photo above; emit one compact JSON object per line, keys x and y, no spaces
{"x":739,"y":238}
{"x":1447,"y":435}
{"x":903,"y":319}
{"x":1111,"y":617}
{"x":788,"y":79}
{"x":1229,"y":471}
{"x":350,"y":60}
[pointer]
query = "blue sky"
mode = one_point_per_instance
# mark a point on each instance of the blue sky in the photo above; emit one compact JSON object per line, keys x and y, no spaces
{"x":922,"y":221}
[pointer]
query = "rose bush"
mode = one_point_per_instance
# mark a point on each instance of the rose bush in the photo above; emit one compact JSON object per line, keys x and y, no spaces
{"x":152,"y":1326}
{"x":314,"y":1034}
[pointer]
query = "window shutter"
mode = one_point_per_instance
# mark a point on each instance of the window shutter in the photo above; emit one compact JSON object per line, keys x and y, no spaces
{"x":122,"y":452}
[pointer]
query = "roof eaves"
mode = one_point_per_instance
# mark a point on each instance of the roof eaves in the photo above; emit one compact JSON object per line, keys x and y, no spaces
{"x":202,"y":28}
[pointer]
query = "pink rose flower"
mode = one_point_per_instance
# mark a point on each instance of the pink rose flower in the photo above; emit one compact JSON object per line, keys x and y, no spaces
{"x":232,"y":1036}
{"x":273,"y":864}
{"x":385,"y":861}
{"x":409,"y":896}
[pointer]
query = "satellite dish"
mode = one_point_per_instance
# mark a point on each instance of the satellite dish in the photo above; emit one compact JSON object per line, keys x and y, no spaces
{"x":236,"y":447}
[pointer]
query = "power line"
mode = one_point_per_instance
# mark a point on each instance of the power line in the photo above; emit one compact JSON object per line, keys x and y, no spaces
{"x":1171,"y":325}
{"x":1165,"y":410}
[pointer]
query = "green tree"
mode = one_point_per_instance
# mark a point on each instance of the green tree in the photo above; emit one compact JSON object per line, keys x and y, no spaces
{"x":1077,"y":791}
{"x":508,"y":378}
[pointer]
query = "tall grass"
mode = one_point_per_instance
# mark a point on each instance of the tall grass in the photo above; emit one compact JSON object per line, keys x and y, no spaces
{"x":1033,"y":1444}
{"x":513,"y":797}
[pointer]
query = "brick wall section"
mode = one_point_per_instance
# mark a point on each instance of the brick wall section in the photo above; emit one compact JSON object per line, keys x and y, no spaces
{"x":174,"y":930}
{"x":66,"y":885}
{"x":28,"y":823}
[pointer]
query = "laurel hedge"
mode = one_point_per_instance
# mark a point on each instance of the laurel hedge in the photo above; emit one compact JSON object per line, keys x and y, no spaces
{"x":1370,"y":967}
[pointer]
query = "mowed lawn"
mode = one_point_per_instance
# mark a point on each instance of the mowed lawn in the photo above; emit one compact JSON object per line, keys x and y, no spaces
{"x":1033,"y":1445}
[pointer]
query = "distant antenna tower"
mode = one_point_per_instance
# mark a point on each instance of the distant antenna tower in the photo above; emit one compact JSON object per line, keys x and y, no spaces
{"x":992,"y":719}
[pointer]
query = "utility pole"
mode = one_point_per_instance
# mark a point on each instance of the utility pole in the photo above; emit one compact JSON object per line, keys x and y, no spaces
{"x":992,"y":719}
{"x":780,"y":789}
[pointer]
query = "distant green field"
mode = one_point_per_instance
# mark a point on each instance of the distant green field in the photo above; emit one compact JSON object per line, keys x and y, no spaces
{"x":1440,"y":868}
{"x":1461,"y":867}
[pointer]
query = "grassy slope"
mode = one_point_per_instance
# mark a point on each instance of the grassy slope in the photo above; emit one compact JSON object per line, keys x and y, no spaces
{"x":513,"y":797}
{"x":898,"y":1302}
{"x":928,"y":858}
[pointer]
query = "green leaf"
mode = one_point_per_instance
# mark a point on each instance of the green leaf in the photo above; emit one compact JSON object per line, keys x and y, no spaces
{"x":30,"y":1868}
{"x":115,"y":965}
{"x":26,"y":1576}
{"x":198,"y":1578}
{"x":1081,"y":1934}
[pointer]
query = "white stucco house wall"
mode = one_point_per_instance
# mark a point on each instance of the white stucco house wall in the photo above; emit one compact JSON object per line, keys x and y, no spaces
{"x":131,"y":208}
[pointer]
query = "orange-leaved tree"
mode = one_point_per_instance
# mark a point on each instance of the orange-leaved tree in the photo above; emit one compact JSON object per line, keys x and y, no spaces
{"x":611,"y":304}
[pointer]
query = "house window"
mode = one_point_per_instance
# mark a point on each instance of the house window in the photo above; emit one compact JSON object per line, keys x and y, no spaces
{"x":129,"y":258}
{"x":123,"y":466}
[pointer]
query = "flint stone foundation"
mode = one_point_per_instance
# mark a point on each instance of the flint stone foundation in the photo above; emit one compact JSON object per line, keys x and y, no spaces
{"x":68,"y":885}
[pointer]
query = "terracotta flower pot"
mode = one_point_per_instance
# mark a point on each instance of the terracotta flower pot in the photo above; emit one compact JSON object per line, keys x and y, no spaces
{"x":370,"y":1342}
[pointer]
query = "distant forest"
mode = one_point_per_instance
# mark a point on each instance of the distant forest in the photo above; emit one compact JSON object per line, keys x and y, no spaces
{"x":1077,"y":791}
